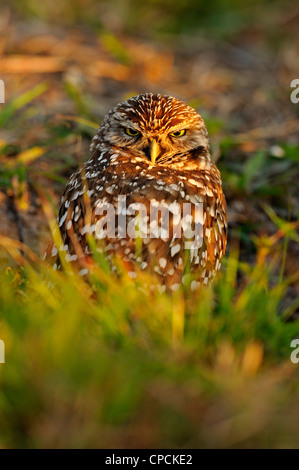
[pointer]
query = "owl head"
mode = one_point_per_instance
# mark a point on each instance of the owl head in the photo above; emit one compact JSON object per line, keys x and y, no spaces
{"x":160,"y":129}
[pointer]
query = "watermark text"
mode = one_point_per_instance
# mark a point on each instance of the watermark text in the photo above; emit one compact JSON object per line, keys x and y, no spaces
{"x":2,"y":352}
{"x":295,"y":353}
{"x":159,"y":220}
{"x":295,"y":93}
{"x":2,"y":92}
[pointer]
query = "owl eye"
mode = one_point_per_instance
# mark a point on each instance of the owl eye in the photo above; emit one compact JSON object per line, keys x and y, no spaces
{"x":131,"y":132}
{"x":178,"y":133}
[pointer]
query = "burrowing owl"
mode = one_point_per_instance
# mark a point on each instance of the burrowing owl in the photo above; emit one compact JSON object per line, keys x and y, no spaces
{"x":149,"y":194}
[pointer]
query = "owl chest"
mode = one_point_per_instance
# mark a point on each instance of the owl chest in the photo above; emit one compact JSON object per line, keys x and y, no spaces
{"x":169,"y":217}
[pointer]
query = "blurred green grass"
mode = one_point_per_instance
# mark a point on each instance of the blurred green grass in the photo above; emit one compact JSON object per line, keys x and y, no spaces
{"x":160,"y":18}
{"x":110,"y":364}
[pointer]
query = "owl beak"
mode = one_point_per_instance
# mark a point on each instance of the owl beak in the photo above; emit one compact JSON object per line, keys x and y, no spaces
{"x":154,"y":151}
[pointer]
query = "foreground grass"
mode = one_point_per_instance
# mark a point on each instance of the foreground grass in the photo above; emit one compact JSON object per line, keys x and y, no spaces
{"x":120,"y":366}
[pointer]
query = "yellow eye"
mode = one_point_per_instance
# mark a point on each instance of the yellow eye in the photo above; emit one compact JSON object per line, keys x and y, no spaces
{"x":131,"y":132}
{"x":178,"y":133}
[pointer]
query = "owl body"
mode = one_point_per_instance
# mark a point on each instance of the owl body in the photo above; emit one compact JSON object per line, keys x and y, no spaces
{"x":149,"y":194}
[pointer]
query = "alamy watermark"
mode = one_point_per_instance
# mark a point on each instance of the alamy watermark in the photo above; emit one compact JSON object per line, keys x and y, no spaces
{"x":2,"y":352}
{"x":2,"y":92}
{"x":162,"y":220}
{"x":295,"y":93}
{"x":295,"y":353}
